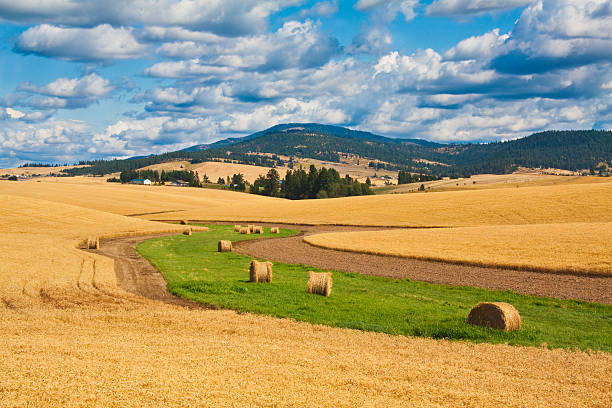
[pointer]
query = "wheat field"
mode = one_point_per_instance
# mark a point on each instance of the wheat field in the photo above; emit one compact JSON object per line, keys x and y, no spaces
{"x":505,"y":206}
{"x":571,"y":247}
{"x":69,"y":336}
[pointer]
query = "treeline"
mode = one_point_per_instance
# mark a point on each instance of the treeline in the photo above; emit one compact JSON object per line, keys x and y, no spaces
{"x":299,"y":184}
{"x":42,"y":165}
{"x":160,"y":177}
{"x":404,"y":177}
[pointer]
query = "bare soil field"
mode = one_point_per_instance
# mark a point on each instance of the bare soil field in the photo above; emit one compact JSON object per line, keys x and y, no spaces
{"x":71,"y":336}
{"x":571,"y":248}
{"x":295,"y":250}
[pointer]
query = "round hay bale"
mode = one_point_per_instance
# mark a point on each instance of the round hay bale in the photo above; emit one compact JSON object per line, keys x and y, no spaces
{"x":225,"y":246}
{"x":320,"y":283}
{"x":245,"y":230}
{"x":184,"y":222}
{"x":237,"y":228}
{"x":93,"y":243}
{"x":187,"y":231}
{"x":258,"y":230}
{"x":260,"y":271}
{"x":251,"y":227}
{"x":274,"y":230}
{"x":497,"y":315}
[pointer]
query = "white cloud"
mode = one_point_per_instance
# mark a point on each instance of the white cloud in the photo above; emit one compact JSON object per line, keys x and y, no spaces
{"x":100,"y":43}
{"x":294,"y":45}
{"x":225,"y":17}
{"x":375,"y":38}
{"x":483,"y":46}
{"x":288,"y":110}
{"x":321,"y":9}
{"x":91,"y":85}
{"x":467,"y":7}
{"x":68,"y":93}
{"x":185,"y":69}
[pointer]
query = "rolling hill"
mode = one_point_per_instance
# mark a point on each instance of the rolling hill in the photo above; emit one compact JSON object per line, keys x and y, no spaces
{"x":577,"y":150}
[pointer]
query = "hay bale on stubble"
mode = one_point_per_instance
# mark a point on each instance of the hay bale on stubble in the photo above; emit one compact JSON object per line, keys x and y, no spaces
{"x":274,"y":230}
{"x":251,"y":227}
{"x":320,"y":283}
{"x":187,"y":231}
{"x":260,"y":271}
{"x":184,"y":222}
{"x":93,"y":243}
{"x":237,"y":228}
{"x":224,"y":246}
{"x":245,"y":230}
{"x":497,"y":315}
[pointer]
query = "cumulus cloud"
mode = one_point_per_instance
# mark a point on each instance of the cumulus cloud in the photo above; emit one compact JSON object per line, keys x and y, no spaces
{"x":49,"y":140}
{"x":375,"y":37}
{"x":454,"y":8}
{"x":101,"y":43}
{"x":482,"y":47}
{"x":294,"y":45}
{"x":225,"y":17}
{"x":321,"y":9}
{"x":552,"y":35}
{"x":66,"y":92}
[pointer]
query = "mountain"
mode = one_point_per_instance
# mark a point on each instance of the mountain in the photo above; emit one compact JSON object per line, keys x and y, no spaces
{"x":316,"y":128}
{"x":574,"y":150}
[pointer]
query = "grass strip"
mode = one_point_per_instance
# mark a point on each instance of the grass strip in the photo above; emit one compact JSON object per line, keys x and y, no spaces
{"x":195,"y":270}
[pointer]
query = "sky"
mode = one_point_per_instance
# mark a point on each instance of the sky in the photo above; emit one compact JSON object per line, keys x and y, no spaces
{"x":84,"y":79}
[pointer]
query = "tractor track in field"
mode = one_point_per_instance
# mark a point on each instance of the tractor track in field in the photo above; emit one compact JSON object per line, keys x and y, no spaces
{"x":136,"y":275}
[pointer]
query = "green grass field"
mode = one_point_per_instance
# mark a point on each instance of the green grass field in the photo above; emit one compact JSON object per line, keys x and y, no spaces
{"x":195,"y":270}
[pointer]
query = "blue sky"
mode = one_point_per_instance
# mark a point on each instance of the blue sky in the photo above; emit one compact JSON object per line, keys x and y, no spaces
{"x":86,"y":79}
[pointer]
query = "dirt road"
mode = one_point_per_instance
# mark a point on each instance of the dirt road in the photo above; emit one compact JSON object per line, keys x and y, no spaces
{"x":136,"y":275}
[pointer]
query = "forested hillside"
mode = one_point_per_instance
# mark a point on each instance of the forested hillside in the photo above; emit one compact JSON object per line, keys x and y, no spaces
{"x":574,"y":150}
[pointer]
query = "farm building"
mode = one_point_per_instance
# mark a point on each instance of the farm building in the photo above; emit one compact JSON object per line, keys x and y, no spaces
{"x":145,"y":182}
{"x":179,"y":183}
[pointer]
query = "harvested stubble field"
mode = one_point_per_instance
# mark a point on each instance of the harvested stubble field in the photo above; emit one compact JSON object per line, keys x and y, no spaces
{"x":69,"y":336}
{"x":573,"y":248}
{"x":530,"y":205}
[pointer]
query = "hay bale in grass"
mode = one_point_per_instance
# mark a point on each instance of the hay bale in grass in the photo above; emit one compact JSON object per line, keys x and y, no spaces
{"x":245,"y":230}
{"x":260,"y":271}
{"x":187,"y":231}
{"x":93,"y":243}
{"x":225,"y":246}
{"x":184,"y":222}
{"x":274,"y":230}
{"x":237,"y":228}
{"x":251,"y":227}
{"x":320,"y":283}
{"x":497,"y":315}
{"x":258,"y":230}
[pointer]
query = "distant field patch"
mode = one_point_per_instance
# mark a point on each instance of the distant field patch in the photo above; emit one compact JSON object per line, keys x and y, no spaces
{"x":568,"y":248}
{"x":195,"y":270}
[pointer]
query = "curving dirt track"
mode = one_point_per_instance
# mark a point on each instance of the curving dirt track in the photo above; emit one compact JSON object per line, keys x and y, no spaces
{"x":295,"y":250}
{"x":136,"y":275}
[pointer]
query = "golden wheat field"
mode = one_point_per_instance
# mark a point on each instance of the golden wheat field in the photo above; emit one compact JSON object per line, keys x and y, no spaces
{"x":571,"y":247}
{"x":505,"y":206}
{"x":70,"y":336}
